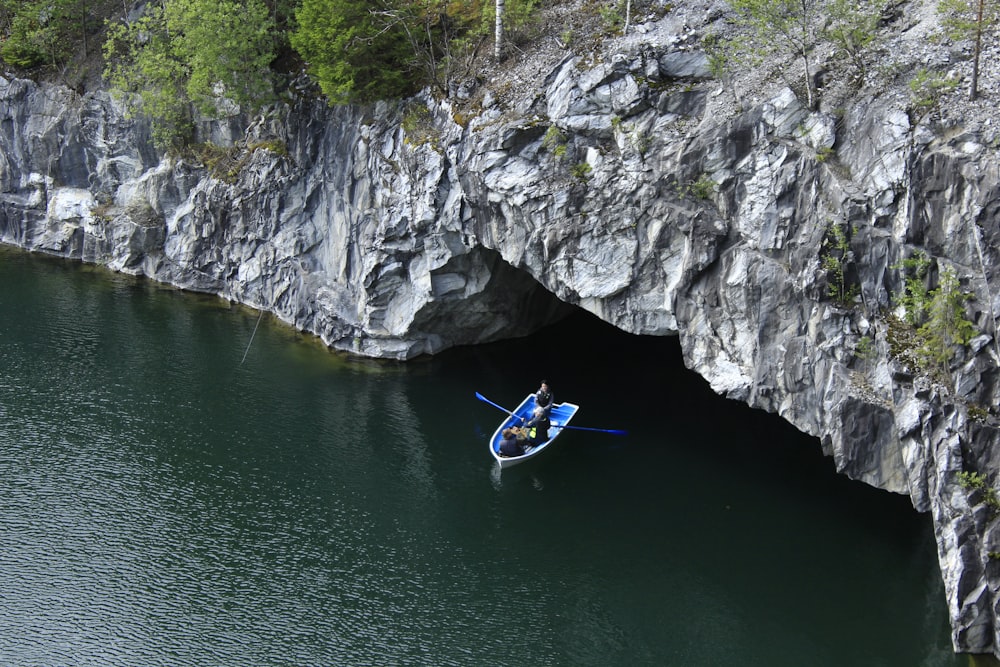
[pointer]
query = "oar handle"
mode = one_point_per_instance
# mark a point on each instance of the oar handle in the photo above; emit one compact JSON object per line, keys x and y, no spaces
{"x":499,"y":407}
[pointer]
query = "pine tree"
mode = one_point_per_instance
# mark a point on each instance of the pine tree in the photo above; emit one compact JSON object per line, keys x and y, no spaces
{"x":947,"y":327}
{"x":968,"y":19}
{"x":350,"y":53}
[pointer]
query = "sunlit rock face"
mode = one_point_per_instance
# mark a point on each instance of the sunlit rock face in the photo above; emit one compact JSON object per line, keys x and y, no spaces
{"x":617,"y":187}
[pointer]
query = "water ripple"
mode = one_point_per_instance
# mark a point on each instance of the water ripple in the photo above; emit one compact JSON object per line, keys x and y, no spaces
{"x":163,"y":505}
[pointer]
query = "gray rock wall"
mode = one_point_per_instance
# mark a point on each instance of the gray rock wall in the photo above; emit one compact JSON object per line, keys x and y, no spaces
{"x":616,"y":188}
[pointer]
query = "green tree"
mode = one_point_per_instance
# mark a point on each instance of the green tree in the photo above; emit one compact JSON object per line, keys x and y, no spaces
{"x":926,"y":89}
{"x":350,"y":53}
{"x":722,"y":52}
{"x":836,"y":256}
{"x":968,"y":19}
{"x":866,"y":350}
{"x":191,"y":52}
{"x":788,"y":24}
{"x":915,"y":295}
{"x":365,"y":50}
{"x":41,"y":32}
{"x":227,"y":47}
{"x":851,"y":26}
{"x":142,"y":66}
{"x":947,"y":327}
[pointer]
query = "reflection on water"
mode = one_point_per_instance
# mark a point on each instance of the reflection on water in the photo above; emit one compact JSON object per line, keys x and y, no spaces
{"x":162,"y":503}
{"x":496,"y":476}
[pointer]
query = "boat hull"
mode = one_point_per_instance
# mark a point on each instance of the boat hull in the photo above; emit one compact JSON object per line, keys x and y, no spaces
{"x":559,"y":416}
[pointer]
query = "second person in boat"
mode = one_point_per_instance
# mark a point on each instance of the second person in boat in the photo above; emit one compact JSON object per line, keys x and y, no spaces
{"x":537,"y":427}
{"x":511,"y":445}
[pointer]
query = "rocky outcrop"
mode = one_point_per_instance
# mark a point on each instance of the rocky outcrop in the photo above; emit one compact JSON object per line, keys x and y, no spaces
{"x":618,"y":187}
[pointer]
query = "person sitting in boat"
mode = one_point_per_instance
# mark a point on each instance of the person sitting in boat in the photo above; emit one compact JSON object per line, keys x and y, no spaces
{"x":538,"y":427}
{"x":543,"y":398}
{"x":511,"y":445}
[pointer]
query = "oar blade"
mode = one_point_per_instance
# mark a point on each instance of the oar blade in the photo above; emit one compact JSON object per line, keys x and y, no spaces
{"x":498,"y":407}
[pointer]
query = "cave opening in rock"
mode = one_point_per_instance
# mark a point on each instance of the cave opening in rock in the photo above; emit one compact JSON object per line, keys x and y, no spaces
{"x":480,"y":298}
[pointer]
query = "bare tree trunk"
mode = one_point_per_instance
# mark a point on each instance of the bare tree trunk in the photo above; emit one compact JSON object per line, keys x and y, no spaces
{"x":628,"y":16}
{"x":805,"y":53}
{"x":498,"y":36}
{"x":83,"y":28}
{"x":974,"y":88}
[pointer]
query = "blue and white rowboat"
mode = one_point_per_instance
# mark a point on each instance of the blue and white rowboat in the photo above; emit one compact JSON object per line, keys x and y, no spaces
{"x":559,"y":416}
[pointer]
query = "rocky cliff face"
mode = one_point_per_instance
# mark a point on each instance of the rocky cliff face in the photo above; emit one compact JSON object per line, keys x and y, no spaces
{"x":622,"y":186}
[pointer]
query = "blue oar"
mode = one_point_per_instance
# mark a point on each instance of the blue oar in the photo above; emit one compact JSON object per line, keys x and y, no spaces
{"x":500,"y":407}
{"x":614,"y":431}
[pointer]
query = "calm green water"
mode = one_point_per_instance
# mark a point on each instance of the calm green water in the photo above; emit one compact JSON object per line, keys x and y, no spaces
{"x":162,"y":504}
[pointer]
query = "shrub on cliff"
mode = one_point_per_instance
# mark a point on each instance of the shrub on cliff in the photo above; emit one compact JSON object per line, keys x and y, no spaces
{"x":947,"y":327}
{"x":937,"y":315}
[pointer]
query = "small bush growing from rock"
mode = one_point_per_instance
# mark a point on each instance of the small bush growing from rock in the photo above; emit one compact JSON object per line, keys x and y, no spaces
{"x":581,"y":171}
{"x":976,"y":481}
{"x":555,"y":141}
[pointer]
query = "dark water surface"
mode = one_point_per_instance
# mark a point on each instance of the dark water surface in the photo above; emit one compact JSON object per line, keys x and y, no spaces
{"x":162,"y":504}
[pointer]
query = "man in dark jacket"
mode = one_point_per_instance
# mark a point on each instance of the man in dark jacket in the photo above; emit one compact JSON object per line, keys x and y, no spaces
{"x":543,"y":398}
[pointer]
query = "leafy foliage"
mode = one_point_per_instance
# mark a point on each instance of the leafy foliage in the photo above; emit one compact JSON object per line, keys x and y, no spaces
{"x":866,"y":351}
{"x":40,"y":32}
{"x":976,"y":481}
{"x":361,"y":51}
{"x":926,"y":88}
{"x":795,"y":27}
{"x":702,"y":188}
{"x":786,"y":24}
{"x":555,"y":142}
{"x":851,"y":28}
{"x":206,"y":53}
{"x":349,"y":53}
{"x":142,"y":66}
{"x":517,"y":15}
{"x":581,"y":171}
{"x":227,"y":47}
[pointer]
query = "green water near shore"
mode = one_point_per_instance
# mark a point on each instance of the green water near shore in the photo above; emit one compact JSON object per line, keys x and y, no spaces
{"x":164,"y":504}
